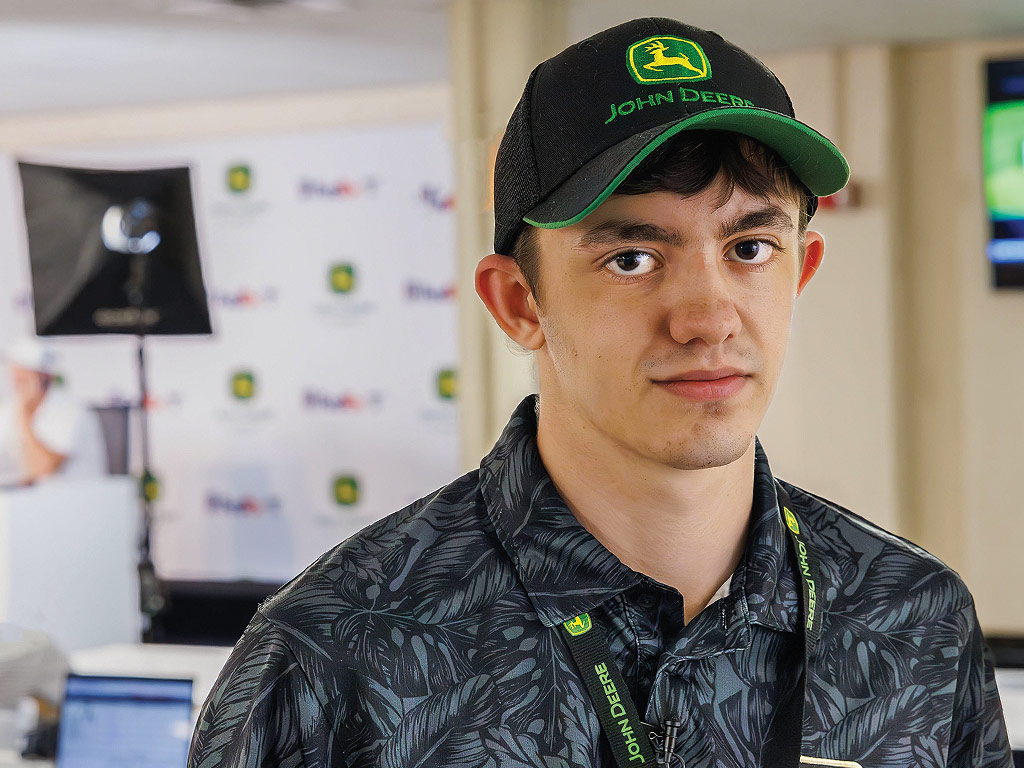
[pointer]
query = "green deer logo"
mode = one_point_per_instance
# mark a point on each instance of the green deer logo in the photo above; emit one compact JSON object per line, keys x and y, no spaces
{"x":657,"y":50}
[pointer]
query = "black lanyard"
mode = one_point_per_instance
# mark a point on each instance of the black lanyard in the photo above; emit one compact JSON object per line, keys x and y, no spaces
{"x":633,"y":741}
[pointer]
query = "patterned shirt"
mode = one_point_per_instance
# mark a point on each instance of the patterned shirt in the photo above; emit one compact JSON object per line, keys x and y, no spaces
{"x":431,"y":639}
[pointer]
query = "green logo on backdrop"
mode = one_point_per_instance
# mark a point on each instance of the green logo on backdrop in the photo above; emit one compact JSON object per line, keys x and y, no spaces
{"x":447,"y":384}
{"x":239,"y":178}
{"x":243,"y":385}
{"x":666,"y":59}
{"x":346,"y":490}
{"x":342,"y":278}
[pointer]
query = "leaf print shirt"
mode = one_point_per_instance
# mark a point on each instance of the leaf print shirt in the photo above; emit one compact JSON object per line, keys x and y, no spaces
{"x":430,"y":639}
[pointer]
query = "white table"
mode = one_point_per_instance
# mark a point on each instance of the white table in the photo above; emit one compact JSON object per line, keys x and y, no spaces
{"x":68,"y":560}
{"x":1011,"y":691}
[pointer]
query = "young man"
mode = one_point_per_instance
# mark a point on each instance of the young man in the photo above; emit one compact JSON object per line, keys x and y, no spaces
{"x":623,"y":581}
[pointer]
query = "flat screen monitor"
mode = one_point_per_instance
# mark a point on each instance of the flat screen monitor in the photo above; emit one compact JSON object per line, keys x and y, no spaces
{"x":1003,"y":140}
{"x":124,"y":722}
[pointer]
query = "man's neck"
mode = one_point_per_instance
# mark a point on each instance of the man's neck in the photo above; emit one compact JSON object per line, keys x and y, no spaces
{"x":684,"y":528}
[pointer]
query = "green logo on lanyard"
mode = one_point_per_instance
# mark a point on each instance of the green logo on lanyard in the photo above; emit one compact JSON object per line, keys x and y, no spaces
{"x":804,"y":562}
{"x":578,"y":626}
{"x":791,"y":522}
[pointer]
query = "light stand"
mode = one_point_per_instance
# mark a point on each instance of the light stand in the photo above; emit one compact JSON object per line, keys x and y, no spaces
{"x":115,"y":252}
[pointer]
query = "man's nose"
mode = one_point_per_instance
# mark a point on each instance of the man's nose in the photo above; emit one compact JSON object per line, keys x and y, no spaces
{"x":701,"y":306}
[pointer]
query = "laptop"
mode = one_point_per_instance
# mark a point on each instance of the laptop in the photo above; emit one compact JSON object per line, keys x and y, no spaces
{"x":124,"y":722}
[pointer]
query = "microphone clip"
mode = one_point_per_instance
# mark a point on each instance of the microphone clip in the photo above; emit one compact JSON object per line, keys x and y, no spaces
{"x":664,"y":743}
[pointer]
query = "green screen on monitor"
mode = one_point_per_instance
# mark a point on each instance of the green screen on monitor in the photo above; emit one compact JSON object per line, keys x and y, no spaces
{"x":1003,"y":146}
{"x":1004,"y":159}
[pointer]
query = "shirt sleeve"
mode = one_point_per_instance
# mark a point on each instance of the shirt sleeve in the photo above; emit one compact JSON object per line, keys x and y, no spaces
{"x":262,"y":711}
{"x":56,"y":424}
{"x":978,"y":736}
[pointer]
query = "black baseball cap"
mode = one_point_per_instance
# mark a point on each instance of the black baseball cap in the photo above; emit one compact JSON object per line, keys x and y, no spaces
{"x":591,"y":114}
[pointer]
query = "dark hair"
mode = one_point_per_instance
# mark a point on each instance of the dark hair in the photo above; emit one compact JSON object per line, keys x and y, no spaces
{"x":688,"y":164}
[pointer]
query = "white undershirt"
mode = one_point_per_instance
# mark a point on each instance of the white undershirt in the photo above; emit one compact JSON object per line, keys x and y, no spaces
{"x":64,"y":427}
{"x":723,"y":591}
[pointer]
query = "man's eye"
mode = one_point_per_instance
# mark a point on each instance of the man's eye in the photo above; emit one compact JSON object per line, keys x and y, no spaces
{"x":752,"y":251}
{"x":631,"y":263}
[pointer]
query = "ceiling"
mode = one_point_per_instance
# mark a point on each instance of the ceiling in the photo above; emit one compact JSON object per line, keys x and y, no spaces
{"x":76,"y":54}
{"x":762,"y":26}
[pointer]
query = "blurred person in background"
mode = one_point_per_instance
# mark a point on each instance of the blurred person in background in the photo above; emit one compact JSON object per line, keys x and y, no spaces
{"x":43,"y":431}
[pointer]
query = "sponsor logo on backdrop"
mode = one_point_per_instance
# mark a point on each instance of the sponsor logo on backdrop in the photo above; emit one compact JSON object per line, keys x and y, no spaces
{"x":243,"y":385}
{"x":243,"y":391}
{"x":239,"y":178}
{"x":244,"y":505}
{"x":320,"y":400}
{"x":419,"y":291}
{"x":337,"y":188}
{"x":244,"y":298}
{"x":341,"y":278}
{"x":239,"y":200}
{"x":436,"y":199}
{"x":345,"y":305}
{"x":442,"y":413}
{"x":346,"y":490}
{"x":447,"y":384}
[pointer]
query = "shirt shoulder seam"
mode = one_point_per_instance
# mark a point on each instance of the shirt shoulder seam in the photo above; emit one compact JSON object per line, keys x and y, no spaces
{"x":298,"y":663}
{"x":899,"y":542}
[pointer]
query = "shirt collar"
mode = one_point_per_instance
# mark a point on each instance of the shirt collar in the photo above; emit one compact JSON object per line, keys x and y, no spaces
{"x":566,"y":571}
{"x":769,"y":582}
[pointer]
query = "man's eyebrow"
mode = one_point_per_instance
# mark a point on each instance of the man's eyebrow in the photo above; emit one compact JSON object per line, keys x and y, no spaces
{"x":620,"y":230}
{"x":770,"y":216}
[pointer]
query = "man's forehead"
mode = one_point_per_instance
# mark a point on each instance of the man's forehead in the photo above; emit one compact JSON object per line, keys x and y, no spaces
{"x":639,"y":222}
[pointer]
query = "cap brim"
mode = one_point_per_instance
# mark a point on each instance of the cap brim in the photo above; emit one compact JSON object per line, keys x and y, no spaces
{"x":814,"y":159}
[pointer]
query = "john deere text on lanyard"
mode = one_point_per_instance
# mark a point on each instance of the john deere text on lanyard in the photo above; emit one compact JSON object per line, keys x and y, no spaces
{"x":631,"y":739}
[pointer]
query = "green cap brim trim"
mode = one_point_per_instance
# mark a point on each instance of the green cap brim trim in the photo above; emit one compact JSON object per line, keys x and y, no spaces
{"x":823,"y":170}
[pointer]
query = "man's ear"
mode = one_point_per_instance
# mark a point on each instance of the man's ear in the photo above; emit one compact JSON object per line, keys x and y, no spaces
{"x":814,"y":252}
{"x":504,"y":291}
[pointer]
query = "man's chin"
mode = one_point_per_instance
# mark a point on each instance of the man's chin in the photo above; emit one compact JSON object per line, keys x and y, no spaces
{"x":705,"y":452}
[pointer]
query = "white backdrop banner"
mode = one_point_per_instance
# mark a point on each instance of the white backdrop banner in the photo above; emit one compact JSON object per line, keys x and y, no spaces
{"x":326,"y":397}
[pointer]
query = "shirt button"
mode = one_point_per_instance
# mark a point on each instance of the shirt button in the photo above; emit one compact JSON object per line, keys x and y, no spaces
{"x":646,"y":600}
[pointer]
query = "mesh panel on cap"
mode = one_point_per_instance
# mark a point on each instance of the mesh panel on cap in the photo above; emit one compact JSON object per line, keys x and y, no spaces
{"x":516,"y":188}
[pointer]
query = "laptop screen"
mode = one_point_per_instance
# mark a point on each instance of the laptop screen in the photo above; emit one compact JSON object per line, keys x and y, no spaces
{"x":122,"y":722}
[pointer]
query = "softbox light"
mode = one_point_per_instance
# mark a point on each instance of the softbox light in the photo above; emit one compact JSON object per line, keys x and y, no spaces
{"x":113,"y":251}
{"x":116,"y":252}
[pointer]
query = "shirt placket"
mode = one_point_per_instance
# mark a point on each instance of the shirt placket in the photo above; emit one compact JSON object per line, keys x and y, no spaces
{"x":682,"y":662}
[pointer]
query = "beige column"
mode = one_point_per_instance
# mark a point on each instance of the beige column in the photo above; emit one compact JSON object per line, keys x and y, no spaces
{"x":494,"y":46}
{"x":833,"y":422}
{"x":929,"y":275}
{"x":960,"y":338}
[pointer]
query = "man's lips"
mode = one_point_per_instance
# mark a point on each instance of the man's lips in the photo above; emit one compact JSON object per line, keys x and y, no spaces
{"x":703,"y":375}
{"x":716,"y":384}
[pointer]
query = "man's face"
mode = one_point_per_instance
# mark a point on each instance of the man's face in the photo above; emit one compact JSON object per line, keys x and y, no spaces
{"x":665,"y":322}
{"x":26,"y":382}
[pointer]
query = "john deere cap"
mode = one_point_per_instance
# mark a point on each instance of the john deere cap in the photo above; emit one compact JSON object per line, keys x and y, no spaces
{"x":591,"y":114}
